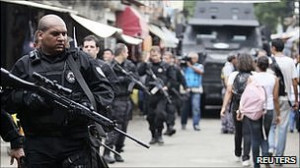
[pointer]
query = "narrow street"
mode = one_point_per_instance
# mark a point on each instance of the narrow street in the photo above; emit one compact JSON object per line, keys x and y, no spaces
{"x":187,"y":148}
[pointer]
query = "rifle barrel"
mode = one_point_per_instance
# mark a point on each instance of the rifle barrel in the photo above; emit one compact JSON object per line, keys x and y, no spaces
{"x":132,"y":138}
{"x":64,"y":101}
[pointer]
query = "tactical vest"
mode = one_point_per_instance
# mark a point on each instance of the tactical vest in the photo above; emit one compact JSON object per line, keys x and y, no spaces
{"x":58,"y":120}
{"x":122,"y":86}
{"x":160,"y":70}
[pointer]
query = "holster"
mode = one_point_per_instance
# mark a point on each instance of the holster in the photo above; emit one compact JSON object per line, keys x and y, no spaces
{"x":97,"y":160}
{"x":71,"y":161}
{"x":96,"y":132}
{"x":87,"y":158}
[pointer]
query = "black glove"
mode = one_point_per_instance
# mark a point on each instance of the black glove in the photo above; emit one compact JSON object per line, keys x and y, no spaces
{"x":35,"y":102}
{"x":108,"y":127}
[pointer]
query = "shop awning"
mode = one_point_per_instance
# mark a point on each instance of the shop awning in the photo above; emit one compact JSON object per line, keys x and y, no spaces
{"x":170,"y":35}
{"x":42,"y":6}
{"x":97,"y":28}
{"x":165,"y":38}
{"x":132,"y":23}
{"x":130,"y":40}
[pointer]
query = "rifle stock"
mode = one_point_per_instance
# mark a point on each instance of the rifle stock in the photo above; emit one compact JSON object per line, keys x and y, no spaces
{"x":56,"y":93}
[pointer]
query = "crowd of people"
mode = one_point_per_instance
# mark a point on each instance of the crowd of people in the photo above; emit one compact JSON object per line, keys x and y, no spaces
{"x":279,"y":76}
{"x":56,"y":137}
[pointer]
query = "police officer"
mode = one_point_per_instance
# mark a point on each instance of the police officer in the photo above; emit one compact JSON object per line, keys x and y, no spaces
{"x":121,"y":110}
{"x":156,"y":103}
{"x":54,"y":136}
{"x":174,"y":92}
{"x":9,"y":133}
{"x":91,"y":46}
{"x":108,"y":55}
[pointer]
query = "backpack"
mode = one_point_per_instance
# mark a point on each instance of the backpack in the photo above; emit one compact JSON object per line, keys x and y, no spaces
{"x":253,"y":100}
{"x":238,"y":87}
{"x":275,"y":67}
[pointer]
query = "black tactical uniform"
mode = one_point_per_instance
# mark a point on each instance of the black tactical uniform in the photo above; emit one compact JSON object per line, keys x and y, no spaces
{"x":121,"y":107}
{"x":156,"y":104}
{"x":108,"y":73}
{"x":53,"y":134}
{"x":174,"y":92}
{"x":9,"y":131}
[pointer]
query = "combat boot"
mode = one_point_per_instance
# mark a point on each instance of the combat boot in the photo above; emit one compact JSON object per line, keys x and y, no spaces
{"x":107,"y":157}
{"x":160,"y":140}
{"x":119,"y":158}
{"x":170,"y":131}
{"x":152,"y":141}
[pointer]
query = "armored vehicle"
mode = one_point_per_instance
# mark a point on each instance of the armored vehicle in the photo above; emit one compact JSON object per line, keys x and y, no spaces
{"x":215,"y":30}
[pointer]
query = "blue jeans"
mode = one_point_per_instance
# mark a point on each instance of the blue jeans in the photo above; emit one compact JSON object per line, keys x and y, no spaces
{"x":282,"y":128}
{"x":292,"y":119}
{"x":194,"y":102}
{"x":268,"y":118}
{"x":256,"y":136}
{"x":196,"y":99}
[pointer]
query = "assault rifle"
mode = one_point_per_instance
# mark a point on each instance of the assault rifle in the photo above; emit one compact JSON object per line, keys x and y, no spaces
{"x":51,"y":89}
{"x":159,"y":85}
{"x":133,"y":79}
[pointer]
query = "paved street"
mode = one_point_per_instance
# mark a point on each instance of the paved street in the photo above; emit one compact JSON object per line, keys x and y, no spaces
{"x":207,"y":148}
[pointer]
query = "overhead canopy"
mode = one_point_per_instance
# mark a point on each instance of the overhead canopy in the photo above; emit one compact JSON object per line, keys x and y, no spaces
{"x":132,"y":23}
{"x":223,"y":22}
{"x":170,"y":35}
{"x":42,"y":6}
{"x":165,"y":38}
{"x":130,"y":40}
{"x":97,"y":28}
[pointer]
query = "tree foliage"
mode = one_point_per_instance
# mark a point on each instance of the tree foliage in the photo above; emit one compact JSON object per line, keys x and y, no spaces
{"x":270,"y":14}
{"x":189,"y":7}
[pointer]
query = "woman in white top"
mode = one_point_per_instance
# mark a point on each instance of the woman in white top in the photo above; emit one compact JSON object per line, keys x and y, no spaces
{"x":271,"y":85}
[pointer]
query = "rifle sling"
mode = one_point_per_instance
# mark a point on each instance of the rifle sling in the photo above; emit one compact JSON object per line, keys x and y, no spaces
{"x":87,"y":91}
{"x":81,"y":81}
